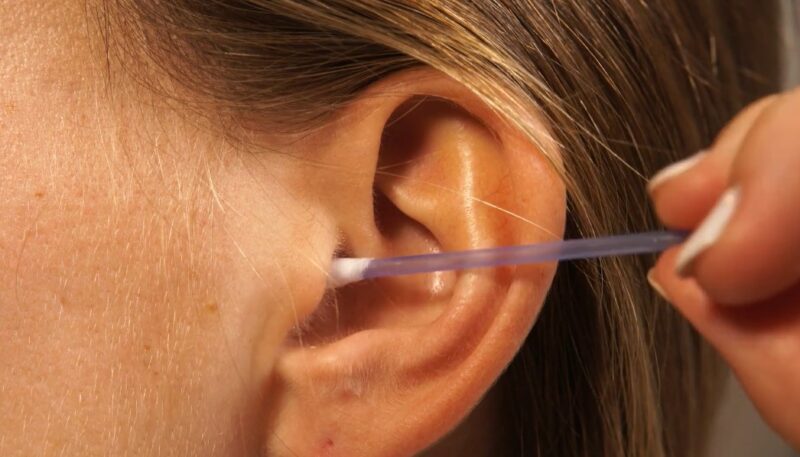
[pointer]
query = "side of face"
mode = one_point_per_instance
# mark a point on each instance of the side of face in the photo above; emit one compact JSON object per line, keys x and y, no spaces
{"x":162,"y":289}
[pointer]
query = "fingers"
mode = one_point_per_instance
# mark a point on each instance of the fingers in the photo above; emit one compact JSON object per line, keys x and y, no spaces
{"x":761,"y":343}
{"x":758,"y":254}
{"x":769,"y":326}
{"x":684,"y":192}
{"x":741,"y":201}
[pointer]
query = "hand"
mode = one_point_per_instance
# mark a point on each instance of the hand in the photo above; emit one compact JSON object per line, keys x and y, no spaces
{"x":737,"y":279}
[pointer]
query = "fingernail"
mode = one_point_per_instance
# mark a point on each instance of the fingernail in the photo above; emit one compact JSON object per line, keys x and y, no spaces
{"x":673,"y":170}
{"x":709,"y":230}
{"x":655,"y":285}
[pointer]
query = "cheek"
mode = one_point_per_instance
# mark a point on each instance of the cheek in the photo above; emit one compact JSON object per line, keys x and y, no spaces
{"x":114,"y":319}
{"x":127,"y":320}
{"x":143,"y":304}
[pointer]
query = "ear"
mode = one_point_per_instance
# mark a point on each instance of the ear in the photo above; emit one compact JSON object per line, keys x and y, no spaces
{"x":389,"y":366}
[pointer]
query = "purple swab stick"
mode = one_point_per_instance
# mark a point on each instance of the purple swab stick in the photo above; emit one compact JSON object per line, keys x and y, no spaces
{"x":347,"y":270}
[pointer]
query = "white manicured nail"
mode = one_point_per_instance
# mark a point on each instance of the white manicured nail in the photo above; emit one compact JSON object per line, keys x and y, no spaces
{"x":709,"y":230}
{"x":673,"y":170}
{"x":656,"y":286}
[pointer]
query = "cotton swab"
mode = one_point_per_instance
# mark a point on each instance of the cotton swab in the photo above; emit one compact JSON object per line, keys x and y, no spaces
{"x":348,"y":270}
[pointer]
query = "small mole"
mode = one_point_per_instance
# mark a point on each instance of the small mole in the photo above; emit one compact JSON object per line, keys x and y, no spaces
{"x":325,"y":447}
{"x":212,"y":307}
{"x":147,"y":348}
{"x":38,"y":194}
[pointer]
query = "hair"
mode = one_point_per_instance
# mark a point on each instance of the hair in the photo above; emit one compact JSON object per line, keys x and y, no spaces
{"x":626,"y":87}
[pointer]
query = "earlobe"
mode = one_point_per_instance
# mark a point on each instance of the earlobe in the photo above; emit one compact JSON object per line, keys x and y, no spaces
{"x":387,"y":367}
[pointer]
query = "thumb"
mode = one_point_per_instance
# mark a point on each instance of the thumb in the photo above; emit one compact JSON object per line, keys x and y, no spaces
{"x":760,"y":343}
{"x":746,"y":249}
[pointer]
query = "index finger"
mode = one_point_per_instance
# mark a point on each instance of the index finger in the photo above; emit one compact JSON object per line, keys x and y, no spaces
{"x":756,"y":253}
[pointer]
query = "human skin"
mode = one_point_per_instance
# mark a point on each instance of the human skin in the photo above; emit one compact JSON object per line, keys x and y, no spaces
{"x":154,"y":274}
{"x":743,"y":292}
{"x":121,"y":303}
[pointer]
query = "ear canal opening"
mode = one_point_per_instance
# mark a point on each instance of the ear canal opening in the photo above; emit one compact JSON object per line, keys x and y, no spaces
{"x":346,"y":310}
{"x":404,"y":300}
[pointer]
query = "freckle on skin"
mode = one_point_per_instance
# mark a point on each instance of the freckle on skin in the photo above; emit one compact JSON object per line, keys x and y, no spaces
{"x":212,"y":308}
{"x":327,"y":446}
{"x":39,"y":194}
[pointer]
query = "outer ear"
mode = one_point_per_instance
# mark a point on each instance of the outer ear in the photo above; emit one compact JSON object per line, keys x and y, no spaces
{"x":388,"y":367}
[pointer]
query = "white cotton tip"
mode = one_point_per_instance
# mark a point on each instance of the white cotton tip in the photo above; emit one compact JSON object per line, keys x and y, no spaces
{"x":674,"y":170}
{"x":347,"y":270}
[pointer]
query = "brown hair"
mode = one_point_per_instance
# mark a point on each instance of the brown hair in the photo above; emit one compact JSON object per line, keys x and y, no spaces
{"x":627,"y":87}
